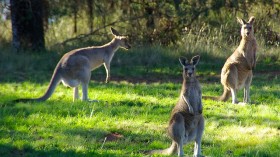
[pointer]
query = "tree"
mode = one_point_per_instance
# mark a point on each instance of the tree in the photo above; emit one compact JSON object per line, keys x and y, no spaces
{"x":90,"y":14}
{"x":27,"y":24}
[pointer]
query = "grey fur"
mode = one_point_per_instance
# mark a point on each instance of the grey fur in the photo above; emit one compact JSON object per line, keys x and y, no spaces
{"x":187,"y":122}
{"x":75,"y":67}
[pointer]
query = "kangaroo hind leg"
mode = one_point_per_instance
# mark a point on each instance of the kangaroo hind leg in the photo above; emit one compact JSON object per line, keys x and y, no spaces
{"x":177,"y":132}
{"x":107,"y":68}
{"x":85,"y":92}
{"x":199,"y":133}
{"x":248,"y":81}
{"x":234,"y":96}
{"x":75,"y":93}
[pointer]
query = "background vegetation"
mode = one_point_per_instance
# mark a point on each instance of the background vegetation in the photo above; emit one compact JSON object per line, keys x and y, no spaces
{"x":134,"y":108}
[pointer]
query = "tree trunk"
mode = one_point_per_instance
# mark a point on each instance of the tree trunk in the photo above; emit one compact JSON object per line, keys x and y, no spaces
{"x":15,"y":25}
{"x":90,"y":14}
{"x":27,"y":24}
{"x":75,"y":7}
{"x":150,"y":24}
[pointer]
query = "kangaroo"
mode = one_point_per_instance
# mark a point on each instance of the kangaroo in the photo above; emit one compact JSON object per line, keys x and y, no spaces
{"x":75,"y":67}
{"x":237,"y":72}
{"x":186,"y":123}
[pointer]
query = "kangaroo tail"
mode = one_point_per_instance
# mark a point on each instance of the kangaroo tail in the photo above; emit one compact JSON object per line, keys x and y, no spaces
{"x":169,"y":151}
{"x":224,"y":97}
{"x":56,"y":78}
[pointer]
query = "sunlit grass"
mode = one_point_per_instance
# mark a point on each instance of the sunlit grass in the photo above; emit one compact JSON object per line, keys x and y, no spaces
{"x":138,"y":111}
{"x":136,"y":104}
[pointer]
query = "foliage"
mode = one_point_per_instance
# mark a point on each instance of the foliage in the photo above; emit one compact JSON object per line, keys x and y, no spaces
{"x":156,"y":22}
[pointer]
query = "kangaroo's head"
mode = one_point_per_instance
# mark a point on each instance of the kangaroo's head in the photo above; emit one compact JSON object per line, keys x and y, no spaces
{"x":247,"y":27}
{"x":189,"y":67}
{"x":122,"y":40}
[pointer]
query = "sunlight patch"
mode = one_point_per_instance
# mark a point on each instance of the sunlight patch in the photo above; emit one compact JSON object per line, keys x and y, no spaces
{"x":252,"y":134}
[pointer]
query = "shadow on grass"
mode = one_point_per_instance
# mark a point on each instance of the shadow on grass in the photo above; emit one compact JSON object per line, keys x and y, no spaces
{"x":8,"y":150}
{"x":151,"y":64}
{"x":132,"y":142}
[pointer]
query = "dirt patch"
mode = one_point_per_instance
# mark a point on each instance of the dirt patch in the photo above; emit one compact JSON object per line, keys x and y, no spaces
{"x":113,"y":136}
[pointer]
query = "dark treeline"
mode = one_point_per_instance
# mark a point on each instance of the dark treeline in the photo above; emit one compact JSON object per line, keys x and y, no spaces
{"x":145,"y":21}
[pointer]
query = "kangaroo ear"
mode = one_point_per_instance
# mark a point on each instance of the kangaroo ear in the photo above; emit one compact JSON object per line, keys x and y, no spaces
{"x":115,"y":32}
{"x":251,"y":20}
{"x":183,"y":61}
{"x":195,"y":60}
{"x":241,"y":21}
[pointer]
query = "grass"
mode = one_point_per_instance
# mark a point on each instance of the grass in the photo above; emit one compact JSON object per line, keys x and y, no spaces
{"x":136,"y":104}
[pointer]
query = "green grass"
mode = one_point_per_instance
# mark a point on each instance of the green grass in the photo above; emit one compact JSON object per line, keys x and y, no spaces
{"x":136,"y":104}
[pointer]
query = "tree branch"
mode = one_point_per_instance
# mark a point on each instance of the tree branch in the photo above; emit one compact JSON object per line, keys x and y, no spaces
{"x":96,"y":30}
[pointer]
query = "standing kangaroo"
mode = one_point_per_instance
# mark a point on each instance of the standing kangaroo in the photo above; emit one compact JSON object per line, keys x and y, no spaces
{"x":186,"y":123}
{"x":75,"y":67}
{"x":237,"y":70}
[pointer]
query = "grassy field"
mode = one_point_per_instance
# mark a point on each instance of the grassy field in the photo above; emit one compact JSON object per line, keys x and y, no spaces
{"x":133,"y":108}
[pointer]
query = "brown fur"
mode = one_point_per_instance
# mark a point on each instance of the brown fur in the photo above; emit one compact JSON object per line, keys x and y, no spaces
{"x":237,"y":71}
{"x":75,"y":67}
{"x":186,"y":123}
